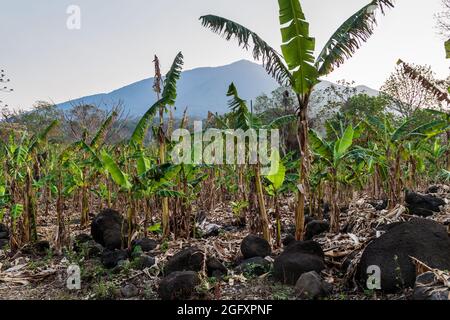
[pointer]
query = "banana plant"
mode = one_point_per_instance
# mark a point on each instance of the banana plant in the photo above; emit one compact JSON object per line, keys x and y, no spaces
{"x":155,"y":180}
{"x":444,"y":116}
{"x":32,"y":170}
{"x":334,"y":154}
{"x":189,"y":184}
{"x":434,"y":153}
{"x":413,"y":156}
{"x":87,"y":171}
{"x":297,"y":67}
{"x":135,"y":163}
{"x":276,"y":180}
{"x":4,"y":201}
{"x":122,"y":180}
{"x":242,"y":118}
{"x":440,"y":94}
{"x":167,"y":98}
{"x":317,"y":180}
{"x":392,"y":142}
{"x":66,"y":178}
{"x":22,"y":170}
{"x":15,"y":156}
{"x":15,"y":211}
{"x":142,"y":182}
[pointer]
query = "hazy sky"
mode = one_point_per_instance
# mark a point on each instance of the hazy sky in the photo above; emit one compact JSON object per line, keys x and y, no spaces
{"x":118,"y":38}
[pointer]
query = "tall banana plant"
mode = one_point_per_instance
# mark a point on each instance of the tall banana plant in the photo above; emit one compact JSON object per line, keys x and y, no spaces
{"x":242,"y":118}
{"x":15,"y":155}
{"x":297,"y":67}
{"x":167,"y":98}
{"x":22,"y":166}
{"x":88,"y":171}
{"x":32,"y":171}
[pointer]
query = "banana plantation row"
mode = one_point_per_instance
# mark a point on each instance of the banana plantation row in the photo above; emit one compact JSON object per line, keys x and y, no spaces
{"x":378,"y":153}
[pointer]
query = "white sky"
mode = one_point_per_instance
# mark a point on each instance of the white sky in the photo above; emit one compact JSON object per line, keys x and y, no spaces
{"x":118,"y":39}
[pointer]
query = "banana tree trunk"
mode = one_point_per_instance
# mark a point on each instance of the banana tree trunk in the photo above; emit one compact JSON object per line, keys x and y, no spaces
{"x":335,"y":214}
{"x":14,"y":240}
{"x":108,"y":196}
{"x":242,"y":195}
{"x":262,"y":207}
{"x":395,"y":180}
{"x":30,"y":228}
{"x":147,"y":217}
{"x":26,"y":237}
{"x":61,"y":235}
{"x":165,"y":219}
{"x":304,"y":159}
{"x":131,"y":217}
{"x":319,"y":201}
{"x":84,"y":207}
{"x":412,"y":173}
{"x":186,"y":206}
{"x":398,"y":178}
{"x":47,"y":199}
{"x":278,"y":220}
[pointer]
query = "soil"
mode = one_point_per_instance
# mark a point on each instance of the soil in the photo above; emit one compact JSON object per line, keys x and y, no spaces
{"x":28,"y":277}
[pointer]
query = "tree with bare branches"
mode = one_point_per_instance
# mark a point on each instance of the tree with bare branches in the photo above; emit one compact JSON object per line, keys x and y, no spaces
{"x":407,"y":94}
{"x":84,"y":119}
{"x":4,"y":80}
{"x":443,"y":19}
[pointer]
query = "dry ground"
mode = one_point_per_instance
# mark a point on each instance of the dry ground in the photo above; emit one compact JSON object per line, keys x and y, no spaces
{"x":24,"y":277}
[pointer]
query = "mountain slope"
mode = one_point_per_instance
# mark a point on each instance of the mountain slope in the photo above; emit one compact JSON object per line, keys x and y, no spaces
{"x":201,"y":90}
